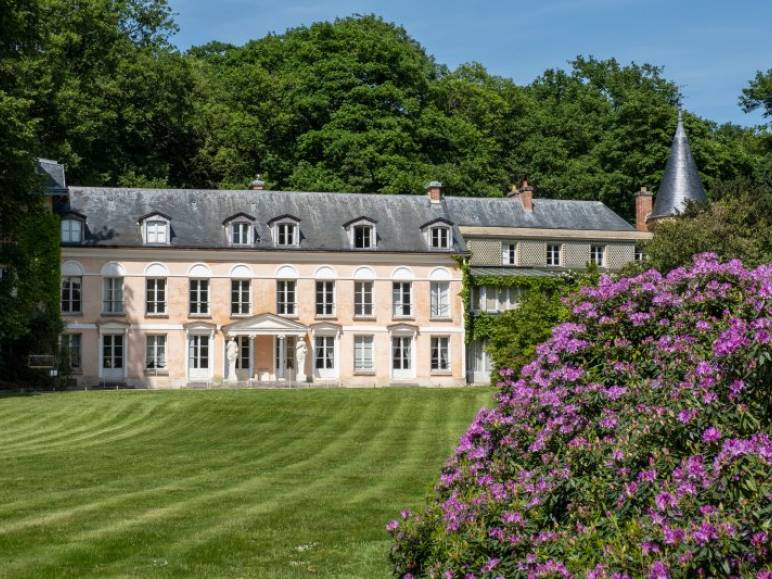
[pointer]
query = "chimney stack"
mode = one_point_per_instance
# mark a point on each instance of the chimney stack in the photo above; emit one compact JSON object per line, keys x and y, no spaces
{"x":257,"y":184}
{"x":524,"y":193}
{"x":434,"y":191}
{"x":644,"y":201}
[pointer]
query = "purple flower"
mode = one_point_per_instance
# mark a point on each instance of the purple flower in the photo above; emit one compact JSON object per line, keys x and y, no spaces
{"x":665,"y":500}
{"x":712,"y":434}
{"x":659,"y":570}
{"x":392,"y":525}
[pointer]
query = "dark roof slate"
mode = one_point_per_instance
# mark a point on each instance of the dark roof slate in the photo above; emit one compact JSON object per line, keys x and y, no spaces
{"x":53,"y":173}
{"x":197,"y":216}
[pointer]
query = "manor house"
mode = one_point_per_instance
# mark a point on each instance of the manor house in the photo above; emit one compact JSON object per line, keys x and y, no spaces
{"x":169,"y":288}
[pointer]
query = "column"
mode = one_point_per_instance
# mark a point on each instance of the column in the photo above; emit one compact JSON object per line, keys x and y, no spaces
{"x":281,"y":370}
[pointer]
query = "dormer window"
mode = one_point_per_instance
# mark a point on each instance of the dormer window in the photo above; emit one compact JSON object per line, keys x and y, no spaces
{"x":240,"y":230}
{"x":72,"y":230}
{"x":286,"y":231}
{"x":361,"y":233}
{"x":157,"y":232}
{"x":440,"y":236}
{"x":156,"y":229}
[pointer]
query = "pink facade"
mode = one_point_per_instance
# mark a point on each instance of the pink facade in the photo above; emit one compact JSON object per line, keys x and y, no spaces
{"x":123,"y":340}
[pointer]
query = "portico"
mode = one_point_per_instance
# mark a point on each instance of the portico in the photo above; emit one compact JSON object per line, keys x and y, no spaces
{"x":267,"y":349}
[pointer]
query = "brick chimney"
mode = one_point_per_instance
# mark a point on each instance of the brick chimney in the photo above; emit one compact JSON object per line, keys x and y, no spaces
{"x":257,"y":184}
{"x":524,"y":193}
{"x":644,"y":201}
{"x":434,"y":191}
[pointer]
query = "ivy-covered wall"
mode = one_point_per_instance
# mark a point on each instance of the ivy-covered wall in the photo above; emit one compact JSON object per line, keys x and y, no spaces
{"x":512,"y":335}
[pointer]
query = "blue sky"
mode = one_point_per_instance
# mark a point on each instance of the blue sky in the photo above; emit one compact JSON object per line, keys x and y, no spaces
{"x":711,"y":48}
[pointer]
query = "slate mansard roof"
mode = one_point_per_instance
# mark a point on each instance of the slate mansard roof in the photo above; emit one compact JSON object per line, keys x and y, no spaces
{"x":53,"y":176}
{"x":197,"y":216}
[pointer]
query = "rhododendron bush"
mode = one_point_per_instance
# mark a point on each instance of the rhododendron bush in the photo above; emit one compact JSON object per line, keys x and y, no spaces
{"x":636,"y":443}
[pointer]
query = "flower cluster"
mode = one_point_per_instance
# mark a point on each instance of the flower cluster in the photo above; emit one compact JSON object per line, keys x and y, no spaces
{"x":636,"y":443}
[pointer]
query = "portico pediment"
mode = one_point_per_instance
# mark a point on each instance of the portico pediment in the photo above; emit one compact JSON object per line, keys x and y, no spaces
{"x":265,"y":325}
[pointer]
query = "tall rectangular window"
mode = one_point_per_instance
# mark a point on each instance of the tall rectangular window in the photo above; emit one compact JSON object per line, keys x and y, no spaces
{"x":241,"y":233}
{"x":363,"y":236}
{"x":199,"y":296}
{"x":440,"y":353}
{"x":285,"y":297}
{"x":112,"y":351}
{"x":112,"y":299}
{"x":440,"y":237}
{"x":638,"y":255}
{"x":598,"y":255}
{"x":239,"y":297}
{"x":553,"y":254}
{"x":325,"y":298}
{"x":509,"y":253}
{"x":363,"y":298}
{"x":363,"y":354}
{"x":401,"y":352}
{"x":324,"y":352}
{"x":155,"y":352}
{"x":71,"y":350}
{"x":401,"y":299}
{"x":440,"y":299}
{"x":242,"y":361}
{"x":155,"y":296}
{"x":71,"y":230}
{"x":71,"y":294}
{"x":285,"y":234}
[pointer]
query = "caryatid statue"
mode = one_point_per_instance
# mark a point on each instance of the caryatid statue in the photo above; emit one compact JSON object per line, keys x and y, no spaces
{"x":300,"y":358}
{"x":231,"y":352}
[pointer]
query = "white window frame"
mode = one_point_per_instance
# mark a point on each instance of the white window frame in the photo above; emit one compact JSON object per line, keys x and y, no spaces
{"x":150,"y":230}
{"x":153,"y":305}
{"x":435,"y":344}
{"x":241,"y":290}
{"x":364,"y":308}
{"x":324,"y":293}
{"x":280,"y":237}
{"x":352,"y":234}
{"x":325,"y":339}
{"x":67,"y":232}
{"x":402,"y":372}
{"x":112,"y":355}
{"x":246,"y":236}
{"x":447,"y":238}
{"x":638,"y":254}
{"x":482,"y":300}
{"x":155,"y":344}
{"x":594,"y":254}
{"x":112,"y":295}
{"x":398,"y":305}
{"x":68,"y":291}
{"x":439,"y":291}
{"x":550,"y":253}
{"x":364,"y":347}
{"x":282,"y":295}
{"x":197,"y":306}
{"x":509,"y":253}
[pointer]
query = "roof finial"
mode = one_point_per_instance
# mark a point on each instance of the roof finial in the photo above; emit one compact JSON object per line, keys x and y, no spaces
{"x":257,"y":184}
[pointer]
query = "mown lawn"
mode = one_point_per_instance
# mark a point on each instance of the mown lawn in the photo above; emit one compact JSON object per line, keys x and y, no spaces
{"x":244,"y":483}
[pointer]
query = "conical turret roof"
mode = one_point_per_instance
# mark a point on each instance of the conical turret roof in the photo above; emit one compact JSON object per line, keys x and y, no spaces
{"x":681,"y":181}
